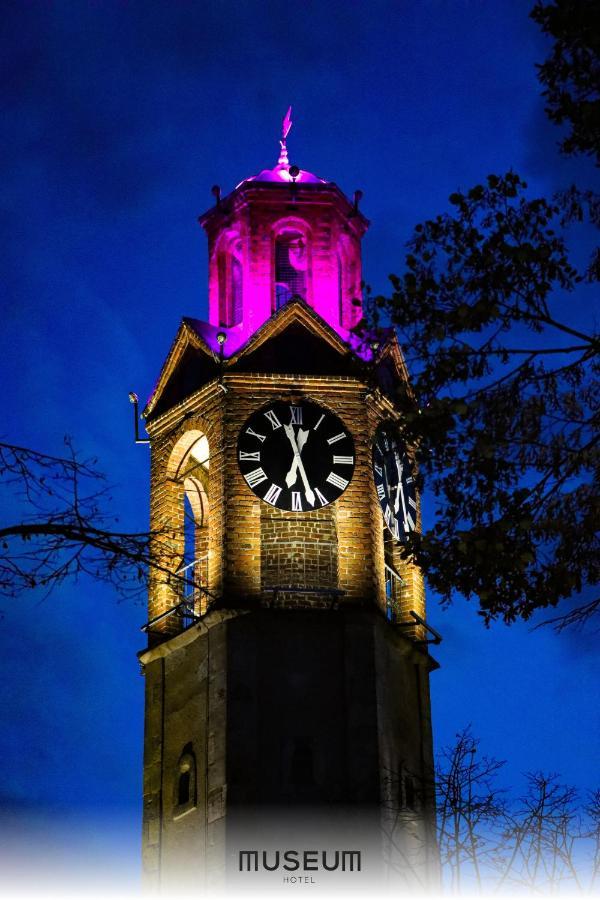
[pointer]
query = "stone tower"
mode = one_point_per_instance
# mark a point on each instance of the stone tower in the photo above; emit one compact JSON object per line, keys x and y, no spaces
{"x":287,"y":701}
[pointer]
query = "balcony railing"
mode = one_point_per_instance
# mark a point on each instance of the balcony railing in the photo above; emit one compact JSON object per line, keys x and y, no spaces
{"x":394,"y":585}
{"x":192,"y":580}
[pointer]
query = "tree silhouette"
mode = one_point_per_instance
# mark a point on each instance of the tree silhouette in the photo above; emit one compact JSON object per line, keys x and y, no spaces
{"x":503,"y":408}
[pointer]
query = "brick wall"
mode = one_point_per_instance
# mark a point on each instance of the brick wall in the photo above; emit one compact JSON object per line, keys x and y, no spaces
{"x":298,"y":551}
{"x":248,"y":541}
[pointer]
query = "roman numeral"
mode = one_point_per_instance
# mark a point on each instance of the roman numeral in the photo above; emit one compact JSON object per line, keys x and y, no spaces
{"x":412,"y":503}
{"x":296,"y":415}
{"x":396,"y":530}
{"x":336,"y":437}
{"x":297,"y":501}
{"x":261,"y":437}
{"x":272,"y":495}
{"x":387,"y":515}
{"x":343,"y":460}
{"x":319,"y":422}
{"x":410,"y":479}
{"x":337,"y":481}
{"x":380,"y":491}
{"x":379,"y":470}
{"x":252,"y":454}
{"x":255,"y":477}
{"x":409,"y":524}
{"x":322,"y":500}
{"x":273,"y":419}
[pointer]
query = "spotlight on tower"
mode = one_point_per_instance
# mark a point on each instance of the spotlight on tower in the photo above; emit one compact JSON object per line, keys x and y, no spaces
{"x":358,"y":195}
{"x":221,"y":338}
{"x":133,"y":398}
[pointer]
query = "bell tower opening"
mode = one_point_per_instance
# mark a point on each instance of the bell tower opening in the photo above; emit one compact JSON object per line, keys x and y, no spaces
{"x":186,"y":518}
{"x":230,"y":281}
{"x":291,"y":266}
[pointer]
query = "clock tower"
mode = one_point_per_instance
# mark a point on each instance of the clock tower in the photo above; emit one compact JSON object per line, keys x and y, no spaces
{"x":287,"y":723}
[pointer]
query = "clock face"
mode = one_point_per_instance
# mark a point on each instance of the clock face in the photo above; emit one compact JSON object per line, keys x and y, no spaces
{"x":394,"y":482}
{"x":296,"y":456}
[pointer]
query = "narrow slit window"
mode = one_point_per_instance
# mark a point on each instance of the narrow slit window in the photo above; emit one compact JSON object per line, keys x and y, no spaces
{"x":183,"y":788}
{"x":185,"y":782}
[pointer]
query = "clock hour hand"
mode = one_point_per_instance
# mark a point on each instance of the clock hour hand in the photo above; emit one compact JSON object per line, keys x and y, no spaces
{"x":297,"y":464}
{"x":292,"y":475}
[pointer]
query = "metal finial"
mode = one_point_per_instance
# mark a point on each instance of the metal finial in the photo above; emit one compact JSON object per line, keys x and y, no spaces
{"x":285,"y":130}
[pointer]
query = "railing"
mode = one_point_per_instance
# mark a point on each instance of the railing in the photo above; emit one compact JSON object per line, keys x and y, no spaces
{"x":194,"y":584}
{"x":394,"y":584}
{"x":436,"y":639}
{"x":192,"y":580}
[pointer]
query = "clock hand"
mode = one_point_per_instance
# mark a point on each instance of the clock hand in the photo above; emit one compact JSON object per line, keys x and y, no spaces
{"x":298,"y":464}
{"x":399,"y":485}
{"x":292,"y":475}
{"x":400,"y":468}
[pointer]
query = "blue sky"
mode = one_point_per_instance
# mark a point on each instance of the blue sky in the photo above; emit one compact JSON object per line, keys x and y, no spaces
{"x":117,"y":120}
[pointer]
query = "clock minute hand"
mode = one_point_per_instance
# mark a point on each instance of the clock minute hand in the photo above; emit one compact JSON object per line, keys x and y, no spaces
{"x":400,"y":492}
{"x":292,"y":475}
{"x":297,"y":464}
{"x":399,"y":485}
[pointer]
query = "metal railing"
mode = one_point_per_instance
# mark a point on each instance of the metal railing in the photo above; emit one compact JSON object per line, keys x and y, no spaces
{"x":192,"y":580}
{"x":435,"y":639}
{"x":194,"y":584}
{"x":394,"y":584}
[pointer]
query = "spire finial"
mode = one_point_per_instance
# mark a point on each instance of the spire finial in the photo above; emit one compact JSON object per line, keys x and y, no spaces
{"x":285,"y":130}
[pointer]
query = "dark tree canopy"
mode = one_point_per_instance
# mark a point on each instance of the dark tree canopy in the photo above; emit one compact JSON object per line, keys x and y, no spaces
{"x":571,"y":74}
{"x":503,"y":410}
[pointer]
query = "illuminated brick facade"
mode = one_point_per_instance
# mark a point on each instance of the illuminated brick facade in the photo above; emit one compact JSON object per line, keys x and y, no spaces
{"x":284,"y":677}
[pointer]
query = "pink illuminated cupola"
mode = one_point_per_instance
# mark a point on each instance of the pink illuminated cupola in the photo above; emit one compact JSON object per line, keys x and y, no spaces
{"x":282,"y":234}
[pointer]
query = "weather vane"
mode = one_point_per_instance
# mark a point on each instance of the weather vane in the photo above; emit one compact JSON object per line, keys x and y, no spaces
{"x":285,"y":130}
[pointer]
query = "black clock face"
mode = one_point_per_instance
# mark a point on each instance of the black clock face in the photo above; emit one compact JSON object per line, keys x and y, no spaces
{"x":296,"y":456}
{"x":394,"y":482}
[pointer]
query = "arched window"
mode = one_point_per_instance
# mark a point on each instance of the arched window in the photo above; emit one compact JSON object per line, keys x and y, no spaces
{"x":348,"y":282}
{"x":185,"y":782}
{"x":291,"y":267}
{"x":191,"y":477}
{"x":230,"y":272}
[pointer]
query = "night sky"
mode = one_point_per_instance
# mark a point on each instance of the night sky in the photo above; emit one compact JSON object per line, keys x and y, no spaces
{"x":117,"y":120}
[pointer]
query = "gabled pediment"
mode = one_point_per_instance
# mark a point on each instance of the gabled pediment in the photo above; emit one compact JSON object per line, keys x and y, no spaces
{"x":294,"y":340}
{"x":190,"y":363}
{"x":391,"y":358}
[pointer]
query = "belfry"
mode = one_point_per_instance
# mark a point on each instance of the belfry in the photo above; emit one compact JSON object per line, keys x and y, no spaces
{"x":287,"y":668}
